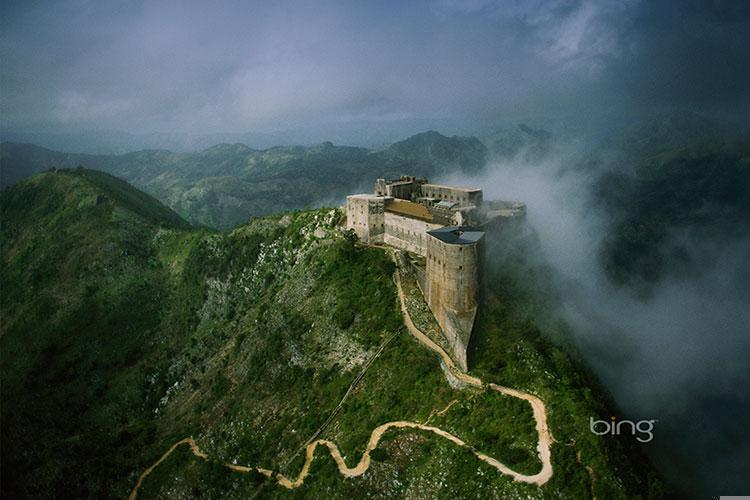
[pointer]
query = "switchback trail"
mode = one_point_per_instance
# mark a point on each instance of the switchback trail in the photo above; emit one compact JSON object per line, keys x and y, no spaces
{"x":537,"y":406}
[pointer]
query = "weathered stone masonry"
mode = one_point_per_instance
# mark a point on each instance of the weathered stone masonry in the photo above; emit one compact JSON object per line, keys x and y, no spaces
{"x":440,"y":223}
{"x":454,"y":260}
{"x":365,"y":215}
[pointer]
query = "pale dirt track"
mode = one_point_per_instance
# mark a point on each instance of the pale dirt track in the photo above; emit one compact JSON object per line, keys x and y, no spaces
{"x":538,"y":408}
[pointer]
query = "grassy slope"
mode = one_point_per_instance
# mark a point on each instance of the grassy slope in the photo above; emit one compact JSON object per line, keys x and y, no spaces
{"x":522,"y":341}
{"x":124,"y":331}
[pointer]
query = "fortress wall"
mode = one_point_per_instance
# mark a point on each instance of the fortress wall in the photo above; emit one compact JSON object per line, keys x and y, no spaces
{"x":454,"y":271}
{"x":452,"y":290}
{"x":450,"y":281}
{"x":462,"y":196}
{"x":406,"y":233}
{"x":401,"y":190}
{"x":419,"y":273}
{"x":365,"y":215}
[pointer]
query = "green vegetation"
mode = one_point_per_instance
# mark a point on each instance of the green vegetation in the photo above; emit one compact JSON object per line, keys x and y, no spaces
{"x":674,"y":198}
{"x":225,"y":185}
{"x":519,"y":143}
{"x":125,"y":331}
{"x":521,"y":341}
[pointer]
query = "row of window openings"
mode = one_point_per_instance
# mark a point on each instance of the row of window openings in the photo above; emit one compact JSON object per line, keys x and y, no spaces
{"x":432,"y":257}
{"x":448,"y":197}
{"x":399,"y":230}
{"x":429,"y":195}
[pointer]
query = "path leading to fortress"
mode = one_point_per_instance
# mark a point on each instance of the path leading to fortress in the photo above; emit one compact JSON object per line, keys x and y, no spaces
{"x":537,"y":405}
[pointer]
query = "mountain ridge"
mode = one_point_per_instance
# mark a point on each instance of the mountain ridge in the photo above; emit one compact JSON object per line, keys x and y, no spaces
{"x":226,"y":184}
{"x":142,"y":333}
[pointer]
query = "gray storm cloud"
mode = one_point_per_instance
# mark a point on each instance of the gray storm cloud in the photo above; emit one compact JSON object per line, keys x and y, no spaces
{"x":264,"y":66}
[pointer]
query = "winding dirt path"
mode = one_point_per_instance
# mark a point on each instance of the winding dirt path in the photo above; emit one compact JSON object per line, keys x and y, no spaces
{"x":537,"y":406}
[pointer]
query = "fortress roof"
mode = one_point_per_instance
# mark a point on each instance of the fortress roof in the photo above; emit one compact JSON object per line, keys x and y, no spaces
{"x":457,"y":235}
{"x":409,"y":209}
{"x":446,"y":204}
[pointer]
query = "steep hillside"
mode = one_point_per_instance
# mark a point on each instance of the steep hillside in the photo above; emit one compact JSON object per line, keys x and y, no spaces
{"x":467,"y":154}
{"x":225,"y":185}
{"x":125,"y":332}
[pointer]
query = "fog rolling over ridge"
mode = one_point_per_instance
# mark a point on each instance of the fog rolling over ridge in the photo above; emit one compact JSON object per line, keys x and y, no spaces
{"x":231,"y":111}
{"x":677,"y":354}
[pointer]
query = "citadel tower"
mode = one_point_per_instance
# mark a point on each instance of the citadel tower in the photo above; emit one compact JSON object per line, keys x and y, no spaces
{"x":454,"y":259}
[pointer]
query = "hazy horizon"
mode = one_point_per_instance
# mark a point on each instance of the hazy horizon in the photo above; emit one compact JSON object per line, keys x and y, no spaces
{"x":364,"y":74}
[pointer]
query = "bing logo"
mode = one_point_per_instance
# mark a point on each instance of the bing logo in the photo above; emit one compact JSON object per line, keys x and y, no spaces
{"x":615,"y":428}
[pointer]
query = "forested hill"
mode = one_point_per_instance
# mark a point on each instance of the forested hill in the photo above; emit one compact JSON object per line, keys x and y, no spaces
{"x":125,"y":331}
{"x":226,"y":184}
{"x":671,"y":203}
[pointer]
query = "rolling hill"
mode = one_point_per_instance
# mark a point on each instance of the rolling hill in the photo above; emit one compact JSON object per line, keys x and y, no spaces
{"x":226,"y":184}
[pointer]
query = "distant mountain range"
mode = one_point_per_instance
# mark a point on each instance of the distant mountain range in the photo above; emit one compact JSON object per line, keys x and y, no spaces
{"x":506,"y":144}
{"x":226,"y":184}
{"x":361,"y":133}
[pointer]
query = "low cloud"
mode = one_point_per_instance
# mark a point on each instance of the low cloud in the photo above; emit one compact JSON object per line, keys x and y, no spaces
{"x":680,"y":355}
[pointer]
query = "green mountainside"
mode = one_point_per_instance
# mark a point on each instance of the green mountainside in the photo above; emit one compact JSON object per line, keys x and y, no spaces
{"x":669,"y":131}
{"x":673,"y":199}
{"x":531,"y":145}
{"x":124,"y":331}
{"x":226,"y":184}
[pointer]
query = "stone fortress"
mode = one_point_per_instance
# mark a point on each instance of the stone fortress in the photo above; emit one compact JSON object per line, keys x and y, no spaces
{"x":446,"y":226}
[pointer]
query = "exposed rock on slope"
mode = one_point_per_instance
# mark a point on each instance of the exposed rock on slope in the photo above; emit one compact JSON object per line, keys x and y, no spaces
{"x":124,"y":331}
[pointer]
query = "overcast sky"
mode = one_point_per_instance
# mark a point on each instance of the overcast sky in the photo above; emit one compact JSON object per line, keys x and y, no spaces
{"x":206,"y":67}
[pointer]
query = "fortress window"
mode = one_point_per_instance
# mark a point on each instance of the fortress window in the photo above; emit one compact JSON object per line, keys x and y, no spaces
{"x":460,"y":267}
